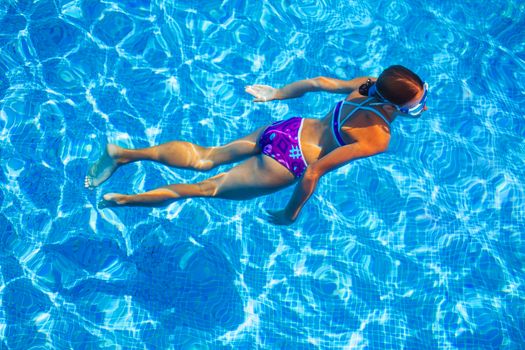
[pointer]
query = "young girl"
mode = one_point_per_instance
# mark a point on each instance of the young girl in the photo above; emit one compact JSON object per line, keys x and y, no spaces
{"x":293,"y":151}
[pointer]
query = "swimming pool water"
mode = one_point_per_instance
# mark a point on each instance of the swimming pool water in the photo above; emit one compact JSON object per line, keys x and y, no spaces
{"x":420,"y":247}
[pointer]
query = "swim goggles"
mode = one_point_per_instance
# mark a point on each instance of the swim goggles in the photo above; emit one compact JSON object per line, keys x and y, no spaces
{"x":414,"y":111}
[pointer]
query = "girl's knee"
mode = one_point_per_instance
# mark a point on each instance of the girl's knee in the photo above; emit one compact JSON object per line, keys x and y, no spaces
{"x":208,"y":188}
{"x":203,"y":165}
{"x":212,"y":186}
{"x":203,"y":161}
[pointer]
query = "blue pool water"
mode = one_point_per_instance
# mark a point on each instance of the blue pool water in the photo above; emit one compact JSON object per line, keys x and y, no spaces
{"x":418,"y":248}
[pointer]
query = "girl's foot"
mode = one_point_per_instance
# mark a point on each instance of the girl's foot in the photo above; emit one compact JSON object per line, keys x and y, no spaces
{"x":113,"y":200}
{"x":103,"y":168}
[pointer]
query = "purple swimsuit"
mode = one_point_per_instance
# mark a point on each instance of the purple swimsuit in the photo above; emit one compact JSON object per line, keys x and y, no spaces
{"x":282,"y":142}
{"x":282,"y":139}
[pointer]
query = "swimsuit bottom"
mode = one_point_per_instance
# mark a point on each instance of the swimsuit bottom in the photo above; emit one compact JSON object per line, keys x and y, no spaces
{"x":282,"y":142}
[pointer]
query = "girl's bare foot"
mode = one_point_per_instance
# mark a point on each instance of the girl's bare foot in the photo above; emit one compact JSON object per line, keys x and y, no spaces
{"x":103,"y":168}
{"x":113,"y":200}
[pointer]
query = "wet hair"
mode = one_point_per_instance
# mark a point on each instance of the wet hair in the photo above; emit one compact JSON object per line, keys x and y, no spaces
{"x":399,"y":84}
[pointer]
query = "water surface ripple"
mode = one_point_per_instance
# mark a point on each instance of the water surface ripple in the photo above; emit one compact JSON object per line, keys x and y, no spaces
{"x":420,"y":247}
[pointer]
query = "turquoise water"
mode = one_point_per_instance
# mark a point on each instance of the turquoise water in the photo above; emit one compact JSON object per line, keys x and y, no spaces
{"x":420,"y":247}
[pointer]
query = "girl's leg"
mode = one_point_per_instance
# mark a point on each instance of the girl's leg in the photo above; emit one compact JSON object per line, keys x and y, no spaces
{"x":178,"y":154}
{"x":255,"y":177}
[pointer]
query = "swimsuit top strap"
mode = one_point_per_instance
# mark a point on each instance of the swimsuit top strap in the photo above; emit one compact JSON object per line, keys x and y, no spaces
{"x":337,"y":111}
{"x":363,"y":106}
{"x":335,"y":123}
{"x":379,"y":114}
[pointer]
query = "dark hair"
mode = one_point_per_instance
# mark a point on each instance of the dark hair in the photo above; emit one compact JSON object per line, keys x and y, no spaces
{"x":363,"y":89}
{"x":399,"y":84}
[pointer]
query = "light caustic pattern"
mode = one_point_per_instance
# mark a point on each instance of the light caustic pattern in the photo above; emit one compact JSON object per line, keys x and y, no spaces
{"x":420,"y":247}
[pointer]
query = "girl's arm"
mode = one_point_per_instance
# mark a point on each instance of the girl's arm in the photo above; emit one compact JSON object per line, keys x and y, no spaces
{"x":308,"y":182}
{"x":264,"y":93}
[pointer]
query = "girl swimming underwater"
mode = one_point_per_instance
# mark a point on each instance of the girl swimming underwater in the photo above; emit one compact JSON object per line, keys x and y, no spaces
{"x":293,"y":151}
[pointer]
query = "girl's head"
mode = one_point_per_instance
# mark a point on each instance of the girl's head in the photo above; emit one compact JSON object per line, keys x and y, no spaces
{"x":399,"y":85}
{"x":403,"y":88}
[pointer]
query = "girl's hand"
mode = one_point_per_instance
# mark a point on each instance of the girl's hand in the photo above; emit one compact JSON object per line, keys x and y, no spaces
{"x":262,"y":93}
{"x":279,"y":217}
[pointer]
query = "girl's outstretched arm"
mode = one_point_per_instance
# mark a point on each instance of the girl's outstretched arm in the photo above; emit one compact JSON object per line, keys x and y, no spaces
{"x":264,"y":93}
